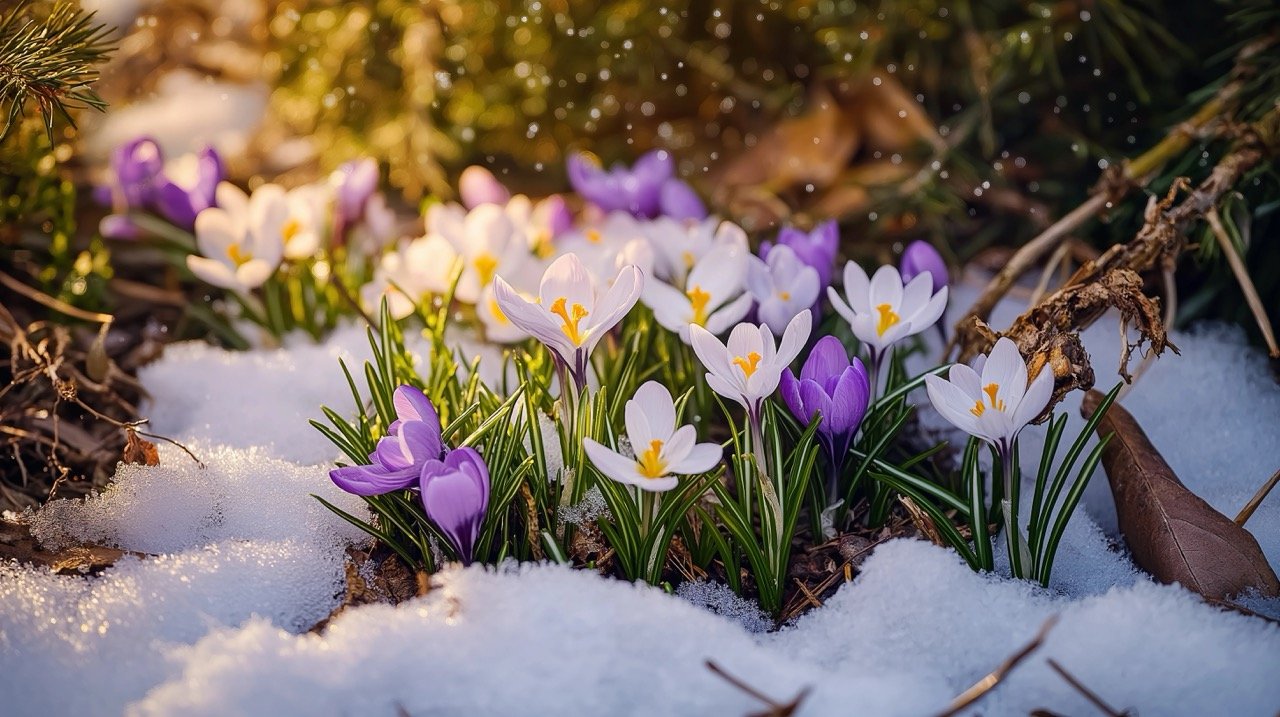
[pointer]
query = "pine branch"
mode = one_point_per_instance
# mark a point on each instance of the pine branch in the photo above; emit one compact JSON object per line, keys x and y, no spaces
{"x":51,"y":61}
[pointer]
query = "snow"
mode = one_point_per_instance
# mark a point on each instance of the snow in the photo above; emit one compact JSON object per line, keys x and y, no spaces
{"x":244,"y":562}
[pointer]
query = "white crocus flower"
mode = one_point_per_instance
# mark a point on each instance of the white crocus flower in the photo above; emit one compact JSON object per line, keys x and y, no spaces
{"x":306,"y":209}
{"x":662,"y":451}
{"x":239,"y":245}
{"x":486,"y":239}
{"x":748,"y":368}
{"x":407,"y":275}
{"x":881,"y":311}
{"x":679,"y":244}
{"x":570,"y":316}
{"x":996,"y":404}
{"x":713,"y":297}
{"x":783,"y":286}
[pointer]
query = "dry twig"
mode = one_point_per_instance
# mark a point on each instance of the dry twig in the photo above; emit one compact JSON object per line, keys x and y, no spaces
{"x":773,"y":709}
{"x":984,"y":686}
{"x":1088,"y":694}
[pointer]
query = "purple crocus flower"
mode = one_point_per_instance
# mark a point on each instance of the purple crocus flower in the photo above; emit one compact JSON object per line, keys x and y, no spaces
{"x":412,"y":440}
{"x":678,"y":201}
{"x":816,"y":248}
{"x":834,"y":387}
{"x":919,"y":257}
{"x":455,"y":496}
{"x":135,"y":165}
{"x":638,"y":190}
{"x":354,"y":184}
{"x":180,"y":199}
{"x":477,"y":186}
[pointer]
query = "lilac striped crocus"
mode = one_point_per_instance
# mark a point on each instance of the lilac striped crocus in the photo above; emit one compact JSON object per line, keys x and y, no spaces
{"x":834,"y":388}
{"x":455,"y":496}
{"x":141,"y":180}
{"x":816,"y":248}
{"x":187,"y":186}
{"x":397,"y":462}
{"x":647,"y":189}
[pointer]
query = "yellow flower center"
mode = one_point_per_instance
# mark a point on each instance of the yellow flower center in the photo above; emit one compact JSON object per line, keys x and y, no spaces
{"x":570,"y":319}
{"x":784,"y":295}
{"x":594,"y":236}
{"x":238,"y":257}
{"x":290,"y":230}
{"x":496,"y":311}
{"x":542,"y":245}
{"x":991,"y":390}
{"x":650,"y":462}
{"x":699,"y":299}
{"x":887,"y":318}
{"x":486,"y":264}
{"x":688,"y":258}
{"x":748,"y":364}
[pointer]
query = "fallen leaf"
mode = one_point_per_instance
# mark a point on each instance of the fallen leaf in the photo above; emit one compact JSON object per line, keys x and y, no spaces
{"x":1174,"y":534}
{"x":139,"y":450}
{"x":17,"y":543}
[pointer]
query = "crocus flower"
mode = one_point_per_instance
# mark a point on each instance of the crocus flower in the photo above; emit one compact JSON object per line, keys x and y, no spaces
{"x":834,"y":388}
{"x":455,"y":496}
{"x":239,"y":240}
{"x":637,"y":190}
{"x":486,"y":238}
{"x":477,"y":186}
{"x":783,"y":287}
{"x":749,"y":367}
{"x":881,"y":311}
{"x":354,"y":184}
{"x":816,"y":248}
{"x":135,"y":165}
{"x":920,"y":257}
{"x":188,"y":186}
{"x":571,"y":316}
{"x":397,"y":462}
{"x":678,"y":201}
{"x":662,"y":451}
{"x":996,"y":404}
{"x":678,"y":245}
{"x":714,"y":297}
{"x":405,"y":276}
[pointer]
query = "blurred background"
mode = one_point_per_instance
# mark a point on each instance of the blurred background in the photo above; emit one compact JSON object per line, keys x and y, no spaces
{"x":973,"y":126}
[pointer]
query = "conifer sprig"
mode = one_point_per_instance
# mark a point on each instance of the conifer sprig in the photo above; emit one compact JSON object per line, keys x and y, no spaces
{"x":50,"y":60}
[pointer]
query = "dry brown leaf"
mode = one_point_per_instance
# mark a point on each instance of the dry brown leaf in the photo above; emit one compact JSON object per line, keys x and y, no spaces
{"x":1173,"y":533}
{"x":139,"y":450}
{"x":17,"y":543}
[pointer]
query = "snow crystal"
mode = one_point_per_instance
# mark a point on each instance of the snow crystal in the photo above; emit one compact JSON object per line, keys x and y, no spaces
{"x":723,"y":601}
{"x":592,"y":507}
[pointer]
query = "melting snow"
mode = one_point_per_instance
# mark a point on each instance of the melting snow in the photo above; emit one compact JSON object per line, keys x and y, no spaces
{"x":247,"y":561}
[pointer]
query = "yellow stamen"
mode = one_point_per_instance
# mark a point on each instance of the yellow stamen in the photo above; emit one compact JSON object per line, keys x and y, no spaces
{"x":699,"y":299}
{"x":748,"y":364}
{"x":496,"y":311}
{"x":238,"y":257}
{"x":688,"y":258}
{"x":594,"y":236}
{"x":887,"y":318}
{"x":784,"y":295}
{"x":650,"y":462}
{"x":486,"y":264}
{"x":542,"y":245}
{"x":290,"y":230}
{"x":991,"y":390}
{"x":571,"y":320}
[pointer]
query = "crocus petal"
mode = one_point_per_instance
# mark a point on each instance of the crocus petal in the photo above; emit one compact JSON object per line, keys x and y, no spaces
{"x":212,"y":272}
{"x":411,"y":404}
{"x":953,"y":405}
{"x":700,"y":459}
{"x":920,"y":258}
{"x":816,"y":401}
{"x":372,"y":480}
{"x":1006,"y":368}
{"x":653,"y":401}
{"x":477,"y":186}
{"x":857,"y":287}
{"x":828,"y":358}
{"x":789,"y":389}
{"x":729,"y":315}
{"x":678,"y":201}
{"x":616,"y":302}
{"x":612,"y":464}
{"x":794,"y":338}
{"x":1035,"y":399}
